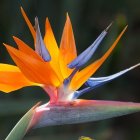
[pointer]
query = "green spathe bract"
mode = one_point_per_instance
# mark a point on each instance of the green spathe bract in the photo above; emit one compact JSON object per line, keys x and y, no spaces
{"x":22,"y":126}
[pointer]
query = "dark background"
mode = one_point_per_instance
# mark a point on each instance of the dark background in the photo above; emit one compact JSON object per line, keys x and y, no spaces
{"x":89,"y":18}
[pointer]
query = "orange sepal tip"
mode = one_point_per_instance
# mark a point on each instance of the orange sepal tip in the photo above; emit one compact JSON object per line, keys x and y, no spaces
{"x":81,"y":77}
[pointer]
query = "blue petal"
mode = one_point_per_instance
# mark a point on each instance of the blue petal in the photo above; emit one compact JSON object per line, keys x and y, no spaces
{"x":67,"y":81}
{"x":93,"y":83}
{"x":87,"y":54}
{"x":40,"y":46}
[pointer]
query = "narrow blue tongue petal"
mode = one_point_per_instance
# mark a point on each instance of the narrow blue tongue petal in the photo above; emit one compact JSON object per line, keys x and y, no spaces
{"x":96,"y":82}
{"x":40,"y":46}
{"x":93,"y":83}
{"x":87,"y":54}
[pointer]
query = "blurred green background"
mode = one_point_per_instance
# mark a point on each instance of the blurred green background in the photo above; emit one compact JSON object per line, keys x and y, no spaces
{"x":89,"y":18}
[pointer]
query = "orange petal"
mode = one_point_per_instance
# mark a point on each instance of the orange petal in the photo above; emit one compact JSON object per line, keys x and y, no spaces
{"x":28,"y":23}
{"x":50,"y":41}
{"x":52,"y":47}
{"x":81,"y":77}
{"x":67,"y":47}
{"x":35,"y":70}
{"x":11,"y":78}
{"x":26,"y":49}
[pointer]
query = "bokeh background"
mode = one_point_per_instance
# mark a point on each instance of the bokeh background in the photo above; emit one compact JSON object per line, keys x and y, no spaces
{"x":89,"y":18}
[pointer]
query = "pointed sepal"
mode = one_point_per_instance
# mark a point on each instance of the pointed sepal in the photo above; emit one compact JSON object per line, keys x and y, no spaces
{"x":29,"y":24}
{"x":82,"y":76}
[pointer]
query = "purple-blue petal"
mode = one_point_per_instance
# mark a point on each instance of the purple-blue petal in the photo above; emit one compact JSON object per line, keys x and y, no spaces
{"x":93,"y":83}
{"x":40,"y":46}
{"x":67,"y":81}
{"x":87,"y":54}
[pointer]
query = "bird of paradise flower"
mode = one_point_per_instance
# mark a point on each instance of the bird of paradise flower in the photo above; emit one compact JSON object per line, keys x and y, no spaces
{"x":60,"y":72}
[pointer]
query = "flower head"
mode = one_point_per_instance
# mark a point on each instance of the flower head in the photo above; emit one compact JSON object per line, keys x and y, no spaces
{"x":59,"y":71}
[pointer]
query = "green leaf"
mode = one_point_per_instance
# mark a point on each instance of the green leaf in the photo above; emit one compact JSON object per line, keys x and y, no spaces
{"x":22,"y":126}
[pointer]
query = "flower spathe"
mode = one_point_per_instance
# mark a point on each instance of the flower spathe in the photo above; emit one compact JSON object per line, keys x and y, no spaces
{"x":59,"y":71}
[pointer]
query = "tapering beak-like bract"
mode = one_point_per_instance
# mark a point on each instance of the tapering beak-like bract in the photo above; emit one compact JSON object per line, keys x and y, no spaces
{"x":80,"y":111}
